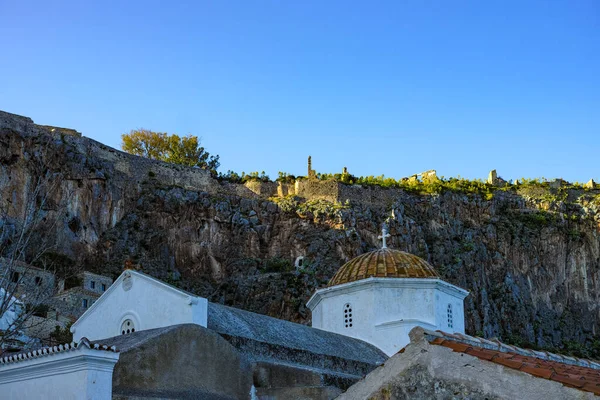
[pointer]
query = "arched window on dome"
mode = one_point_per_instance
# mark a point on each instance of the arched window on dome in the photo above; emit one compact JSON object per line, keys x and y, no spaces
{"x":348,"y":315}
{"x":127,"y":327}
{"x":449,"y":314}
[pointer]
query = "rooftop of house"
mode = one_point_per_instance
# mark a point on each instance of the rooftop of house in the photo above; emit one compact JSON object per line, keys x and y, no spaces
{"x":92,"y":274}
{"x":47,"y":351}
{"x":235,"y":322}
{"x":573,"y":372}
{"x":79,"y":290}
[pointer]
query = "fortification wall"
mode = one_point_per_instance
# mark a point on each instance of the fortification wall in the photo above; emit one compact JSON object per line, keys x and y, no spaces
{"x":286,"y":189}
{"x":262,"y":189}
{"x":138,"y":170}
{"x":313,"y":189}
{"x":141,"y":169}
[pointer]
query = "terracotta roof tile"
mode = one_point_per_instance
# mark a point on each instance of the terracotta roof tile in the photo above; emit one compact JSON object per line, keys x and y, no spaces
{"x":508,"y":363}
{"x":481,"y":353}
{"x":570,"y":371}
{"x":437,"y":341}
{"x":458,"y":347}
{"x":541,"y":372}
{"x":566,"y":380}
{"x":592,"y":387}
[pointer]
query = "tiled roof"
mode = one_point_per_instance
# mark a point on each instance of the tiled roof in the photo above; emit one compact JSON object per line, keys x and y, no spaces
{"x":45,"y":351}
{"x":570,"y":371}
{"x":383,"y":263}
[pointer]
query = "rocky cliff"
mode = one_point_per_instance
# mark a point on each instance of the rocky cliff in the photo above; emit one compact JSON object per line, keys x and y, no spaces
{"x":530,"y":257}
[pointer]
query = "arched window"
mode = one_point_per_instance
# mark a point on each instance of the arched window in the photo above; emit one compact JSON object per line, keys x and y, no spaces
{"x":449,"y":314}
{"x":348,"y":315}
{"x":127,"y":327}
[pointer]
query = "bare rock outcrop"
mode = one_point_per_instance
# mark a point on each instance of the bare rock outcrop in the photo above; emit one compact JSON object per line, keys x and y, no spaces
{"x":532,"y":265}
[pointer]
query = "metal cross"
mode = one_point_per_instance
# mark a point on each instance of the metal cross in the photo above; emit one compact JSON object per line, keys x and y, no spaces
{"x":384,"y":235}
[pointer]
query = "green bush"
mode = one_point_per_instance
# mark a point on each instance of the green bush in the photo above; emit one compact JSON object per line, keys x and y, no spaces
{"x":276,"y":264}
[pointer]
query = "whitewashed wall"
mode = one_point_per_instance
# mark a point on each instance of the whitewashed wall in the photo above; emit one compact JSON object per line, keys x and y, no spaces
{"x":384,"y":310}
{"x":81,"y":373}
{"x":147,"y":302}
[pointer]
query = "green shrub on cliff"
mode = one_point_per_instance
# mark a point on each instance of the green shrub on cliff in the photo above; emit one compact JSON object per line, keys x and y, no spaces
{"x":185,"y":150}
{"x":234,"y":177}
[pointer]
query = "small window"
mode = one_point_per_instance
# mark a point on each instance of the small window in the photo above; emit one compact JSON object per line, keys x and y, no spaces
{"x":348,"y":315}
{"x":450,"y":318}
{"x":38,"y":281}
{"x":93,"y":284}
{"x":15,"y":277}
{"x":104,"y":287}
{"x":84,"y":303}
{"x":127,"y":327}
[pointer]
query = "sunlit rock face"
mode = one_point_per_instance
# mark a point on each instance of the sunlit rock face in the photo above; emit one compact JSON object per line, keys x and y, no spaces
{"x":530,"y":259}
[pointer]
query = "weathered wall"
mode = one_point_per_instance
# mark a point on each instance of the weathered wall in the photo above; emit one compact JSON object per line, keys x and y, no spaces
{"x":425,"y":371}
{"x":70,"y":302}
{"x":262,"y":189}
{"x":187,"y":361}
{"x":94,"y":282}
{"x":315,"y":189}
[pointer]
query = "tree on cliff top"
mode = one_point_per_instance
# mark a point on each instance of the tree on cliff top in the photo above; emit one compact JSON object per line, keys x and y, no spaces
{"x":161,"y":146}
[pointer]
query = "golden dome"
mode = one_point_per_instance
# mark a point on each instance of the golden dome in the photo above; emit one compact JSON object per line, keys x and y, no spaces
{"x":383,"y":263}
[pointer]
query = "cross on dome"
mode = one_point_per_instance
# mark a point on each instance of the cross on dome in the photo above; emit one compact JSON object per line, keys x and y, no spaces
{"x":384,"y":235}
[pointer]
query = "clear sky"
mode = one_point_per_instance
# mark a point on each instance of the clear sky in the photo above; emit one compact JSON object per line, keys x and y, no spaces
{"x":382,"y":87}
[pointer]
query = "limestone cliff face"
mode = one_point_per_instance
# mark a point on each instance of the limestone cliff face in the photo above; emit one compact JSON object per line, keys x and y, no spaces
{"x":532,"y":266}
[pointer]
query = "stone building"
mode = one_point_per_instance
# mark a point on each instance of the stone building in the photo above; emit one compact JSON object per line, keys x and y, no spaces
{"x":51,"y":304}
{"x":75,"y":300}
{"x":27,"y":279}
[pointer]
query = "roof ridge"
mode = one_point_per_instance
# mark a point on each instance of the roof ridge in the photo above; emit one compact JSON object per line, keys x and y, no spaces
{"x":61,"y":348}
{"x":495,"y":344}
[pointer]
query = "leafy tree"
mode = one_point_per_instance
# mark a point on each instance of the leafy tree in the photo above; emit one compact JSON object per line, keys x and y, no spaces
{"x":185,"y":150}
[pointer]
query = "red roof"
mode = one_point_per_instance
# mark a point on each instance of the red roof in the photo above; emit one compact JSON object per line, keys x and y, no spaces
{"x":570,"y":371}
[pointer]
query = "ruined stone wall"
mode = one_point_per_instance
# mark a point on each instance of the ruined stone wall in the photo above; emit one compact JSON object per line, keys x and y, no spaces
{"x":286,"y":189}
{"x":262,"y":189}
{"x":140,"y":169}
{"x":313,"y":189}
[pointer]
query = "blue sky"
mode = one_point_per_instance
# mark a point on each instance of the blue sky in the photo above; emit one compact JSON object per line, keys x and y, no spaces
{"x":390,"y":88}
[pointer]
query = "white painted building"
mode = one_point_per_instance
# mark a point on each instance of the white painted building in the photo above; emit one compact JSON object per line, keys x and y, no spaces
{"x":380,"y":296}
{"x":136,"y":301}
{"x":75,"y":371}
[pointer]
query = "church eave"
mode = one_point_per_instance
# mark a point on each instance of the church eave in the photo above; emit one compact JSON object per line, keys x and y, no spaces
{"x":362,"y":284}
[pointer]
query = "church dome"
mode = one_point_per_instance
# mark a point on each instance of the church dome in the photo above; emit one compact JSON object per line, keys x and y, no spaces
{"x":383,"y":263}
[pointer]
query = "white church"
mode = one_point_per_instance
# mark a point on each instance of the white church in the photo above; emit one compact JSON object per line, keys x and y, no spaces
{"x":363,"y":316}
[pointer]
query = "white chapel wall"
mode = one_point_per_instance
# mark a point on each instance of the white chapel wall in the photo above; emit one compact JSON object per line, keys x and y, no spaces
{"x":139,"y":303}
{"x":78,"y":374}
{"x":456,"y":301}
{"x":385,"y":310}
{"x":330,"y":315}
